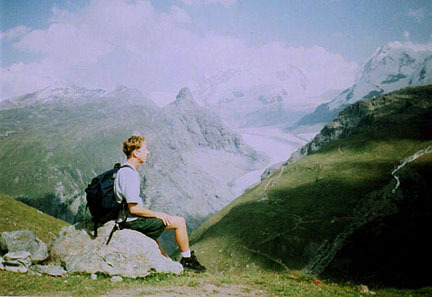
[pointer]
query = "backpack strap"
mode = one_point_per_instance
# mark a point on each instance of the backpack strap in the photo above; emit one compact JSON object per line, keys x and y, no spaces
{"x":95,"y":229}
{"x":116,"y":224}
{"x":123,"y":205}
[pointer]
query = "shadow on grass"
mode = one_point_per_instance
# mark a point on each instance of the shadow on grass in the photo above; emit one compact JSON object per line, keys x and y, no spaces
{"x":52,"y":205}
{"x":395,"y":250}
{"x":287,"y":228}
{"x":290,"y":225}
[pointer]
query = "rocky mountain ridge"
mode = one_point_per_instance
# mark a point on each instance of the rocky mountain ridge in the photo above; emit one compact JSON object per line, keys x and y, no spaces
{"x":72,"y":94}
{"x":391,"y":67}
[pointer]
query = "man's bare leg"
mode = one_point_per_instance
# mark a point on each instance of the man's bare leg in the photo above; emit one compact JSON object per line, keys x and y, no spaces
{"x":180,"y":232}
{"x":189,"y":261}
{"x":161,"y":249}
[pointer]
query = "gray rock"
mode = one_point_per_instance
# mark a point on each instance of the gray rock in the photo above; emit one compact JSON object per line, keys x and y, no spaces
{"x":116,"y":278}
{"x":129,"y":253}
{"x":19,"y":269}
{"x":51,"y":270}
{"x":17,"y":261}
{"x":1,"y":263}
{"x":269,"y":170}
{"x":25,"y":240}
{"x":93,"y":276}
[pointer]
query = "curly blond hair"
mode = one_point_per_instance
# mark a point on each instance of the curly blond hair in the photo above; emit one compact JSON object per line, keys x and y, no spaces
{"x":133,"y":143}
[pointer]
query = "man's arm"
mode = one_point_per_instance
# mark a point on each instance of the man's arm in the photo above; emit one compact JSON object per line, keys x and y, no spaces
{"x":136,"y":209}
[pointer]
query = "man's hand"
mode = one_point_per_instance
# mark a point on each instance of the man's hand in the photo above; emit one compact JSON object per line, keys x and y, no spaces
{"x":138,"y":210}
{"x":166,"y":219}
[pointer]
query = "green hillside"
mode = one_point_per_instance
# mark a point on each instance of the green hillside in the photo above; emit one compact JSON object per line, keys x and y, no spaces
{"x":286,"y":220}
{"x":54,"y":150}
{"x":15,"y":215}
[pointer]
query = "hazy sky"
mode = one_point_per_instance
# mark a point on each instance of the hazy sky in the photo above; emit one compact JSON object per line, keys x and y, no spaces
{"x":162,"y":46}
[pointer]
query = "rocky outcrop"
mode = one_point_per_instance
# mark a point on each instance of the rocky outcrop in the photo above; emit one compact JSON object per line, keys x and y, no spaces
{"x":25,"y":240}
{"x":23,"y":250}
{"x":129,"y":253}
{"x":17,"y":261}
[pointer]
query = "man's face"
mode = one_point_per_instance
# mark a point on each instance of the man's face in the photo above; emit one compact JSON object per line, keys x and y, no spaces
{"x":142,"y":153}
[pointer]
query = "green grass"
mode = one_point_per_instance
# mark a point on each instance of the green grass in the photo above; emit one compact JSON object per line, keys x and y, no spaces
{"x":280,"y":284}
{"x":15,"y":215}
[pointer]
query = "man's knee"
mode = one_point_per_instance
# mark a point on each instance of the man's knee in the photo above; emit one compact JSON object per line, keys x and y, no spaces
{"x":179,"y":221}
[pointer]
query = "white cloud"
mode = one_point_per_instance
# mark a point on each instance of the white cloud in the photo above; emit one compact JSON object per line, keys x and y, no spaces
{"x":179,"y":15}
{"x":406,"y":35}
{"x":110,"y":43}
{"x":417,"y":47}
{"x":226,"y":3}
{"x":418,"y":14}
{"x":14,"y":33}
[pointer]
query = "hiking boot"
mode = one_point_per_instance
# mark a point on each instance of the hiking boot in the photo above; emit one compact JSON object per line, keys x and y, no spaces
{"x":191,"y":263}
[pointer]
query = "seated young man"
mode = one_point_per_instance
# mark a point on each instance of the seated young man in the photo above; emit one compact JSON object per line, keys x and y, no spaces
{"x":149,"y":222}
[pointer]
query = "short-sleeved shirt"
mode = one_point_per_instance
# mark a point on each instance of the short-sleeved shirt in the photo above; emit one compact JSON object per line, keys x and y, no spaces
{"x":127,"y":185}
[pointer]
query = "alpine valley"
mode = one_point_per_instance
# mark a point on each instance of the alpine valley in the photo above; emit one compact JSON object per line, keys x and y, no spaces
{"x":352,"y":204}
{"x":55,"y":140}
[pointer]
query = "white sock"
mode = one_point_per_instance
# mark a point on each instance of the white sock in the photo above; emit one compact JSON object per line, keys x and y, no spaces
{"x":186,"y":254}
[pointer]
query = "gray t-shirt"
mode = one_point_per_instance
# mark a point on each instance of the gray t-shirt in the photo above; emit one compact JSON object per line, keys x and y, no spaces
{"x":127,"y":186}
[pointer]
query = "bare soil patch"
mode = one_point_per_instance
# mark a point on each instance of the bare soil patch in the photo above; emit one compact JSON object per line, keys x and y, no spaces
{"x":196,"y":291}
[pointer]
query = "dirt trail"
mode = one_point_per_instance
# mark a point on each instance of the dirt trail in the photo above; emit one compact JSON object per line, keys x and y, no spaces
{"x":196,"y":291}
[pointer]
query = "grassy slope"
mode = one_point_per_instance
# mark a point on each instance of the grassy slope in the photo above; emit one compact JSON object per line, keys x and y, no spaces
{"x":15,"y":215}
{"x":282,"y":221}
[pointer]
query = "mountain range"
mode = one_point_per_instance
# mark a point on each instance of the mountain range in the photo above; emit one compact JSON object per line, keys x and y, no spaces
{"x":242,"y":99}
{"x":55,"y":140}
{"x":391,"y":67}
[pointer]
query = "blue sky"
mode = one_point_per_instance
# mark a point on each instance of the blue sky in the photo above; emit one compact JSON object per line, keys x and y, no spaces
{"x":75,"y":41}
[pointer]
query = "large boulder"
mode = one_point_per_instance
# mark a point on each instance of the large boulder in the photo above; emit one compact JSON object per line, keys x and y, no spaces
{"x":129,"y":253}
{"x":24,"y":240}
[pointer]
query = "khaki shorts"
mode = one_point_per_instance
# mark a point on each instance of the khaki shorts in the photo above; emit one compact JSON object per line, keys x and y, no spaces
{"x":151,"y":227}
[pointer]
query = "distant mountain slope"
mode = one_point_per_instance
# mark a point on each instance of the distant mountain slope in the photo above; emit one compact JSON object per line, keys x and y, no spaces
{"x":242,"y":99}
{"x":15,"y":215}
{"x":313,"y":212}
{"x":52,"y":146}
{"x":391,"y":67}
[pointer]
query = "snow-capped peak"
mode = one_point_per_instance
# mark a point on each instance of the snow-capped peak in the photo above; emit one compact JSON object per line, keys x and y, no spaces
{"x":123,"y":91}
{"x":392,"y":67}
{"x":65,"y":91}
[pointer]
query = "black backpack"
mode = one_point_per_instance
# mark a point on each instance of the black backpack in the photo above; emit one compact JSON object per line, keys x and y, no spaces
{"x":101,"y":200}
